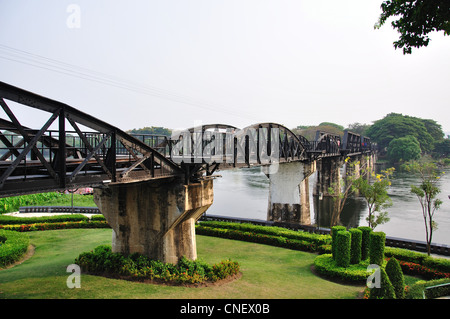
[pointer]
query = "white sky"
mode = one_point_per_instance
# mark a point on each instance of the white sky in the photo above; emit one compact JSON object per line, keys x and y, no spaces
{"x":238,"y":62}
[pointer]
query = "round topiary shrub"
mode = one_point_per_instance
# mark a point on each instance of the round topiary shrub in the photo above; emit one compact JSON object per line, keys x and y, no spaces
{"x":386,"y":290}
{"x":342,"y":250}
{"x":355,"y":247}
{"x":376,"y":251}
{"x":395,"y":274}
{"x":365,"y":241}
{"x":334,"y":231}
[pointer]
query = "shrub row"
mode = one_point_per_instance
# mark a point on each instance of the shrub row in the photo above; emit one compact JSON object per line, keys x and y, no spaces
{"x":316,"y":239}
{"x":12,"y":247}
{"x":437,"y":288}
{"x":13,"y":220}
{"x":440,"y":264}
{"x":102,"y":261}
{"x":273,"y":240}
{"x":60,"y":225}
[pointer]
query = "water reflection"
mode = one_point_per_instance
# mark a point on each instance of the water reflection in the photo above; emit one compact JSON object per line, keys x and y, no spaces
{"x":244,"y":193}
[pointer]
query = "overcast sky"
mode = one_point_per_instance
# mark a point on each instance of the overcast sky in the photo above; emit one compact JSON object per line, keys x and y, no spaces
{"x":180,"y":63}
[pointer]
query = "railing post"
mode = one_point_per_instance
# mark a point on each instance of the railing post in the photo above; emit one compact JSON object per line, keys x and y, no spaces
{"x":62,"y":148}
{"x":112,"y":169}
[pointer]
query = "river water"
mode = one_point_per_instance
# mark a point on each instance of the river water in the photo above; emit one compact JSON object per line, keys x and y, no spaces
{"x":244,"y":193}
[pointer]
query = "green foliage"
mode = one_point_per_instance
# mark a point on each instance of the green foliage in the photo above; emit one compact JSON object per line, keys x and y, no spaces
{"x":386,"y":290}
{"x":436,"y":288}
{"x":334,"y":232}
{"x":261,"y":238}
{"x":343,"y":244}
{"x":102,"y":261}
{"x":155,"y":130}
{"x":376,"y":196}
{"x":395,"y":274}
{"x":395,"y":125}
{"x":426,"y":193}
{"x":365,"y":241}
{"x":404,"y":149}
{"x":309,"y":132}
{"x":326,"y":266}
{"x":313,"y":239}
{"x":12,"y":247}
{"x":11,"y":204}
{"x":442,"y":148}
{"x":376,"y":250}
{"x":13,"y":220}
{"x":356,"y":241}
{"x":415,"y":20}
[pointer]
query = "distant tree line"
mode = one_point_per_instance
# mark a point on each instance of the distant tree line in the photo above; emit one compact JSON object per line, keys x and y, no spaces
{"x":156,"y":130}
{"x":400,"y":138}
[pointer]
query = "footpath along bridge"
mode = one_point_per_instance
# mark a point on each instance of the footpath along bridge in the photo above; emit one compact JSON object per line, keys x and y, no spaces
{"x":152,"y":188}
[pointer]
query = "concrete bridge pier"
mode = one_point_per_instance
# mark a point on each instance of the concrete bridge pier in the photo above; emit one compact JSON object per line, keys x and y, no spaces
{"x":328,"y":175}
{"x":289,"y":193}
{"x":155,"y":218}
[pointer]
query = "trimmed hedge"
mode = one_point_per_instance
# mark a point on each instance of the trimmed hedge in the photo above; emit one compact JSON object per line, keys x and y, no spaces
{"x":395,"y":274}
{"x":269,"y":235}
{"x":342,"y":250}
{"x":272,"y":240}
{"x":386,"y":290}
{"x":438,"y":288}
{"x":59,"y":225}
{"x":13,"y":247}
{"x":325,"y":265}
{"x":376,"y":251}
{"x":334,"y":232}
{"x":13,"y":220}
{"x":365,"y":241}
{"x":316,"y":239}
{"x":439,"y":264}
{"x":355,"y":250}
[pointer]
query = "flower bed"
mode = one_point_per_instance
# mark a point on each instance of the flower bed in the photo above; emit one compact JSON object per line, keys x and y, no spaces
{"x":102,"y":261}
{"x":59,"y":225}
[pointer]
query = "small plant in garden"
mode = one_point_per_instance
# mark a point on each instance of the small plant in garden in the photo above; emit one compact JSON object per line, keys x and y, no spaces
{"x":376,"y":196}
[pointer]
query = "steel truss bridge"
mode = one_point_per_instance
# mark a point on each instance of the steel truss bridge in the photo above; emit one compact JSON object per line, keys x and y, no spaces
{"x":62,"y":154}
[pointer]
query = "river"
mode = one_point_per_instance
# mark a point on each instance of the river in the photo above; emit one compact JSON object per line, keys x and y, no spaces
{"x":244,"y":193}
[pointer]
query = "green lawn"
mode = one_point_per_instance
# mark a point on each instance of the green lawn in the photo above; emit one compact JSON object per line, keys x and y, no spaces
{"x":268,"y":272}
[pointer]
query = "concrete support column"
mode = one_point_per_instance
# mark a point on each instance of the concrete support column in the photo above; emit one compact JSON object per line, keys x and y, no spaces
{"x":328,"y":175}
{"x":155,"y":218}
{"x":289,"y":193}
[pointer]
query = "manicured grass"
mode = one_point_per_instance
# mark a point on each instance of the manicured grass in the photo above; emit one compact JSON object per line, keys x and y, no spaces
{"x":268,"y":272}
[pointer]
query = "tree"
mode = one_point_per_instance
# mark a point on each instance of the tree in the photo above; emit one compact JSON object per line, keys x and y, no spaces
{"x":395,"y":125}
{"x":376,"y":196}
{"x":442,"y":148}
{"x":404,"y":149}
{"x":426,"y":192}
{"x":358,"y":128}
{"x":415,"y":20}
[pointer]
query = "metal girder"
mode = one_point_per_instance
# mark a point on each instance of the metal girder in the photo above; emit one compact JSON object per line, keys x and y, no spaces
{"x":63,"y":159}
